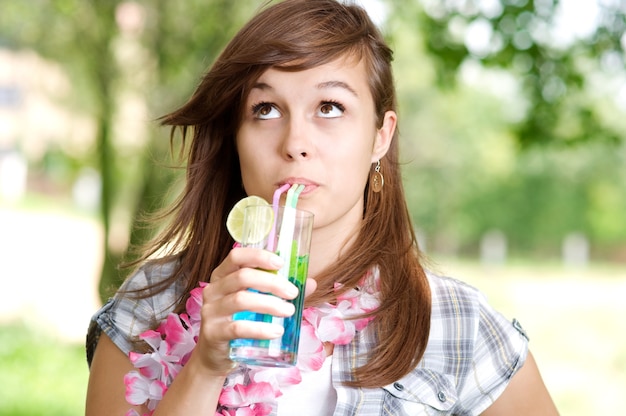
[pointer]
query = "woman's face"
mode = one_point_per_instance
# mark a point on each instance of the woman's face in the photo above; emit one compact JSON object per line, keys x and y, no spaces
{"x":317,"y":128}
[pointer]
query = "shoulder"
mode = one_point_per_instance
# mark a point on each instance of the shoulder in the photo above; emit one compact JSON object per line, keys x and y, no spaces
{"x":147,"y":275}
{"x":461,"y":315}
{"x":133,"y":310}
{"x":458,"y":306}
{"x":453,"y":298}
{"x":456,"y":312}
{"x":472,"y":352}
{"x":142,"y":295}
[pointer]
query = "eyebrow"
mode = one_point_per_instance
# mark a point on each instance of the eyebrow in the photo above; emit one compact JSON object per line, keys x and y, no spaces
{"x":320,"y":86}
{"x":337,"y":84}
{"x":262,"y":86}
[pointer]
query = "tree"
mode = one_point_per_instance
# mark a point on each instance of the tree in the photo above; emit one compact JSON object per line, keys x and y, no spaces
{"x":177,"y":39}
{"x":520,"y":37}
{"x":484,"y":148}
{"x":79,"y":35}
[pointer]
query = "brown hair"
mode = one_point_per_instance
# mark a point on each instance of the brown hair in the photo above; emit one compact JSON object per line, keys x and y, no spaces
{"x":295,"y":35}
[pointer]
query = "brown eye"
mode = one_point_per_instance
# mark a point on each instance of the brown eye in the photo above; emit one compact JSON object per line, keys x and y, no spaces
{"x":265,"y":111}
{"x":326,"y":108}
{"x":330,"y":109}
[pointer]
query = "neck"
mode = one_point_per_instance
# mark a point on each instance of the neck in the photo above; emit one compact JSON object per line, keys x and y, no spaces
{"x":328,"y":244}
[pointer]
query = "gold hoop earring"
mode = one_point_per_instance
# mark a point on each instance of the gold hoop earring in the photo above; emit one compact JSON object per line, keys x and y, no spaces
{"x":377,"y":180}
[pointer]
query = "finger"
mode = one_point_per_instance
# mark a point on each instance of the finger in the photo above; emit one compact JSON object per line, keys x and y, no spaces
{"x":246,"y":257}
{"x":311,"y":286}
{"x":219,"y":327}
{"x":217,"y":306}
{"x":217,"y":333}
{"x":248,"y":278}
{"x":255,"y":330}
{"x":246,"y":300}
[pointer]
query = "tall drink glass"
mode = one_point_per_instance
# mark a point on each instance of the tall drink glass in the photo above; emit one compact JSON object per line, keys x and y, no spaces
{"x":290,"y":238}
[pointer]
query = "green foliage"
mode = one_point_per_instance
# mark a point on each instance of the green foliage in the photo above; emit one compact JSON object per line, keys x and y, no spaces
{"x":518,"y":38}
{"x":465,"y":176}
{"x":468,"y":168}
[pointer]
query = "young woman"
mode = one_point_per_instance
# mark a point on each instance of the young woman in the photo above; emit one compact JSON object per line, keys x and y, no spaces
{"x":304,"y":94}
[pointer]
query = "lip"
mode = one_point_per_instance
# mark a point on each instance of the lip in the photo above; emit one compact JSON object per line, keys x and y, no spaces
{"x":309,"y":185}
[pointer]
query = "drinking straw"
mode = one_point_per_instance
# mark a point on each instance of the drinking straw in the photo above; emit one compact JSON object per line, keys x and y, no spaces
{"x":288,"y":224}
{"x":296,"y":195}
{"x":272,"y":344}
{"x":275,"y":202}
{"x":285,"y":247}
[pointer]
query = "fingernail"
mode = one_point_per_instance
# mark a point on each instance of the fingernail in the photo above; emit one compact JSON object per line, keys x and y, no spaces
{"x":276,"y":331}
{"x":277,"y":262}
{"x":292,"y":291}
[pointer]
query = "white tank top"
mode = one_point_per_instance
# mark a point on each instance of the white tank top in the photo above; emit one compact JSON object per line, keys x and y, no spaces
{"x":313,"y":396}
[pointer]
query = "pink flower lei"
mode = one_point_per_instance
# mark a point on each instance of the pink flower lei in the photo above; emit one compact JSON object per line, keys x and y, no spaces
{"x":251,"y":390}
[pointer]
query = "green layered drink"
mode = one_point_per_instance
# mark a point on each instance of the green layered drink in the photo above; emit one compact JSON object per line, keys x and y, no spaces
{"x":291,"y":242}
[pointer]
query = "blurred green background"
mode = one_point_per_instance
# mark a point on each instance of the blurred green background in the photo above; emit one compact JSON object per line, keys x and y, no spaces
{"x":514,"y":150}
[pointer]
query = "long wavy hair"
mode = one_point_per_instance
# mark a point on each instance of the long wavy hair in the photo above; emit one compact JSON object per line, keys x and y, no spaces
{"x":295,"y":35}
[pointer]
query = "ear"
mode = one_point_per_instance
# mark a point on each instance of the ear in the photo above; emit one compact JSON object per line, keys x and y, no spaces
{"x":384,"y":135}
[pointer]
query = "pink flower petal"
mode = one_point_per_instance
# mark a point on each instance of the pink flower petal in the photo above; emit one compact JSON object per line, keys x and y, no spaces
{"x":262,"y":409}
{"x":241,"y":395}
{"x":194,"y":303}
{"x":311,"y":354}
{"x":245,"y":411}
{"x":311,"y":315}
{"x":157,"y":390}
{"x":153,"y":338}
{"x":311,"y":362}
{"x":136,"y":388}
{"x":277,"y":377}
{"x":133,"y":412}
{"x":140,"y":390}
{"x":180,"y":341}
{"x":360,"y":324}
{"x":335,"y":329}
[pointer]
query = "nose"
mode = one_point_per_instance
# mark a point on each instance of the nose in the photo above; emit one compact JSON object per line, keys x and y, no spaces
{"x":297,"y":145}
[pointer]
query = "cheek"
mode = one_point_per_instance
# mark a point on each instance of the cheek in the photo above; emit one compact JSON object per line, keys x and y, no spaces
{"x":249,"y":165}
{"x":352,"y":172}
{"x":245,"y":149}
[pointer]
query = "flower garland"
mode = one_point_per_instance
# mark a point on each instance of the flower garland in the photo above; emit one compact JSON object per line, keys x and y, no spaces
{"x":250,"y":390}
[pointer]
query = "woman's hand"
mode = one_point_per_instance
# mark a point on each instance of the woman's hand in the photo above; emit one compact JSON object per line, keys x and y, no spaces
{"x":227,"y":293}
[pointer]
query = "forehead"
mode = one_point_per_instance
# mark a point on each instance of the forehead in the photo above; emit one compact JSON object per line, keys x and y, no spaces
{"x":345,"y":71}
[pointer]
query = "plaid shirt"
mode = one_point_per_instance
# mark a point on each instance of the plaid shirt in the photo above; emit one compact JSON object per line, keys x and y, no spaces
{"x":472,"y":351}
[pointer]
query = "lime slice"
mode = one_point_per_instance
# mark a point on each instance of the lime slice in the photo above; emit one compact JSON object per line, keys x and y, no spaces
{"x":261,"y":218}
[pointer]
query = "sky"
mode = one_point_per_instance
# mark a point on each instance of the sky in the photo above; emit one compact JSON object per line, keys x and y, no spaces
{"x":576,"y":19}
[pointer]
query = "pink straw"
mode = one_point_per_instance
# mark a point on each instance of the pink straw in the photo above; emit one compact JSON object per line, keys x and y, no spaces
{"x":275,"y":202}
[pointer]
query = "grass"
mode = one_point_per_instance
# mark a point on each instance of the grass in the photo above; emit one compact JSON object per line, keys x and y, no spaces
{"x":39,"y":374}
